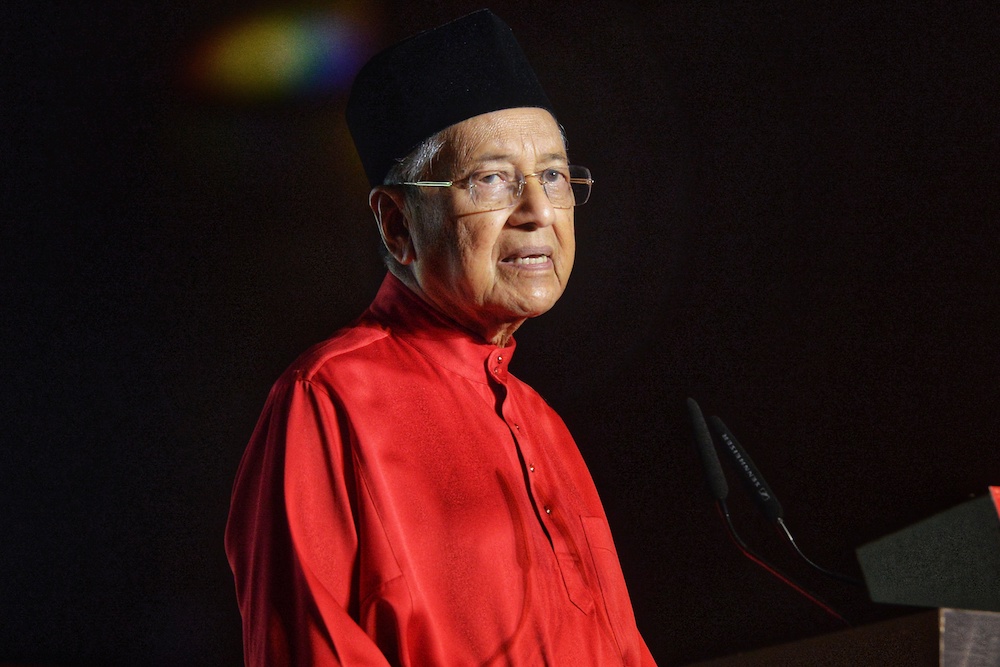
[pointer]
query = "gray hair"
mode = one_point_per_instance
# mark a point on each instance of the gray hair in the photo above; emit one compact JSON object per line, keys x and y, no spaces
{"x":415,"y":166}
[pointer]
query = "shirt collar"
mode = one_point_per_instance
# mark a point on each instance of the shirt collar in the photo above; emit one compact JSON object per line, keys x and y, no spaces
{"x":437,"y":337}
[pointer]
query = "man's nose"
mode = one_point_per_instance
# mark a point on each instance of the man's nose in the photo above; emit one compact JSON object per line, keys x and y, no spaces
{"x":533,"y":206}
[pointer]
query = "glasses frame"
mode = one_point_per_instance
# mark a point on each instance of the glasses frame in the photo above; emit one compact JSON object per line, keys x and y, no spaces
{"x":583,"y":178}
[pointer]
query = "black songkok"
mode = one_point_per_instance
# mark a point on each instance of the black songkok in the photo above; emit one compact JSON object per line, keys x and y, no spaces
{"x":433,"y":80}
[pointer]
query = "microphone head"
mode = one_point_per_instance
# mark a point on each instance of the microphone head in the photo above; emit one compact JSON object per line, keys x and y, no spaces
{"x":716,"y":479}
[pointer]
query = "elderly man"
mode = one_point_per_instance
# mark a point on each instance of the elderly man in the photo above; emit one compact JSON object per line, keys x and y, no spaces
{"x":404,"y":499}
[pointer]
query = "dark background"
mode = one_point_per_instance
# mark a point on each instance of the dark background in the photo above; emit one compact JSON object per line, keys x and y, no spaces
{"x":794,"y":222}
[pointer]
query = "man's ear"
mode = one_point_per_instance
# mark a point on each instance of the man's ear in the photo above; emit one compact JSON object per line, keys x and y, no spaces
{"x":387,"y":206}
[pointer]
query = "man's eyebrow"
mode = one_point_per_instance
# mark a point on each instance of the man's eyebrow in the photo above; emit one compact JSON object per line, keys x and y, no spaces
{"x":509,"y":157}
{"x":554,"y":157}
{"x":491,"y":157}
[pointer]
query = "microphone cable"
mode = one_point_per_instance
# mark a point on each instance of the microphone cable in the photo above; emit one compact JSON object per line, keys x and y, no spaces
{"x":764,"y":497}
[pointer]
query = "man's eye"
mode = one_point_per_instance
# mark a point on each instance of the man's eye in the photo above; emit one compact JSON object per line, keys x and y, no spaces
{"x":554,"y":176}
{"x":491,"y":178}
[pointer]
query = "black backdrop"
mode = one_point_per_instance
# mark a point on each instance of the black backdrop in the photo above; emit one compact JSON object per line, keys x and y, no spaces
{"x":794,"y":222}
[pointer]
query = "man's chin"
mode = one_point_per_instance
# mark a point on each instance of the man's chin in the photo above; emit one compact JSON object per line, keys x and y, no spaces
{"x":535,"y":306}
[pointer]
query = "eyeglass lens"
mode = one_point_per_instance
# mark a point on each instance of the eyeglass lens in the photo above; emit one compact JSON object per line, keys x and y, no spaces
{"x":563,"y":189}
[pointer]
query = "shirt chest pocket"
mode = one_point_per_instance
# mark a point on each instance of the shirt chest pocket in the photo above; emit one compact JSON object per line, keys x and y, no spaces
{"x":576,"y":586}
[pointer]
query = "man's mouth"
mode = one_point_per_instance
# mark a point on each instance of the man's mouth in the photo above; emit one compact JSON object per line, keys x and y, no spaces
{"x":528,"y":256}
{"x":527,"y":261}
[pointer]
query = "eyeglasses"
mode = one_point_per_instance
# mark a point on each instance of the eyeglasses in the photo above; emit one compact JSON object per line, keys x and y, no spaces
{"x":565,"y":187}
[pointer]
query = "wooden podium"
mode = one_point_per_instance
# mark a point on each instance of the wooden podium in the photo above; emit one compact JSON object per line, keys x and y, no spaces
{"x":941,"y":638}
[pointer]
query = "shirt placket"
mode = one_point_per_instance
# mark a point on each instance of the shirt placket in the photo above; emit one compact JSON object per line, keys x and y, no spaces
{"x":542,"y":490}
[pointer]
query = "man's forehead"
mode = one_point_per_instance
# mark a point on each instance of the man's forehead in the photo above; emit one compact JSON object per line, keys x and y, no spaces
{"x":508,"y":134}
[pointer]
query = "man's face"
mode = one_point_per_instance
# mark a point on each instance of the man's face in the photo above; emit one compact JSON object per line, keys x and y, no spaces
{"x":490,"y":270}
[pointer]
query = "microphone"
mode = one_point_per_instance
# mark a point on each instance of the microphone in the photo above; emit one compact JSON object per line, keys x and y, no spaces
{"x":716,"y":479}
{"x":762,"y":494}
{"x":719,"y":490}
{"x":752,"y":479}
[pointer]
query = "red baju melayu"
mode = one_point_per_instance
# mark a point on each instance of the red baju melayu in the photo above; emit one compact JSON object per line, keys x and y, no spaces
{"x":405,"y":500}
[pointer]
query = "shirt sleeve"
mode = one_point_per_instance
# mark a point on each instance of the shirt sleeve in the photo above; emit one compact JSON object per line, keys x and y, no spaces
{"x":292,"y":540}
